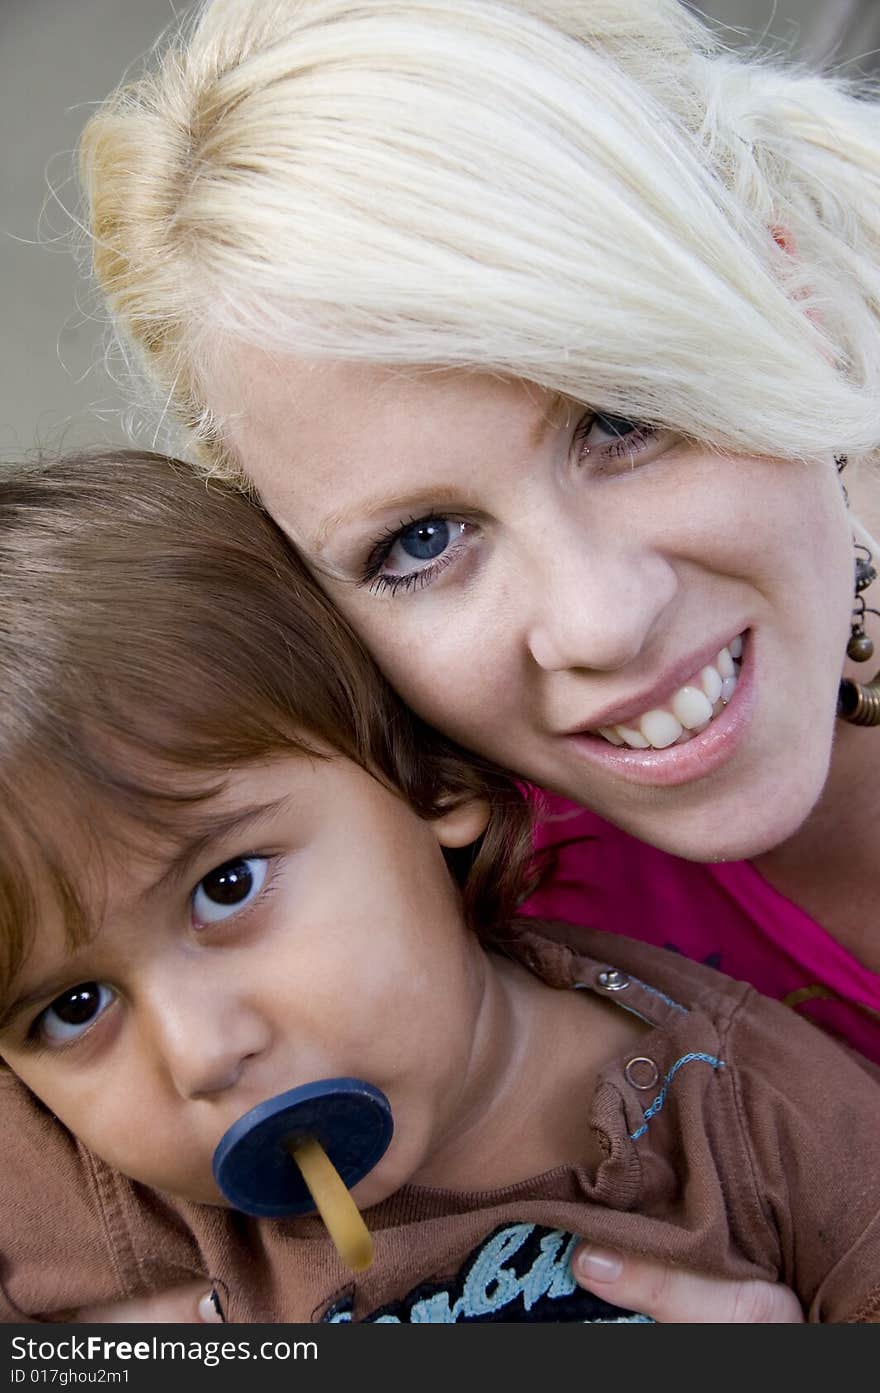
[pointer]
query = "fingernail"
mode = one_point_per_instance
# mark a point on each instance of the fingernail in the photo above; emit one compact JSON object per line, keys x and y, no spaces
{"x":210,"y":1310}
{"x":597,"y":1266}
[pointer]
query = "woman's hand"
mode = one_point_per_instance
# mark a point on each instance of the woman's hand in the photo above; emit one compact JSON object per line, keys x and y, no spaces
{"x":673,"y":1296}
{"x":193,"y":1304}
{"x":668,"y":1294}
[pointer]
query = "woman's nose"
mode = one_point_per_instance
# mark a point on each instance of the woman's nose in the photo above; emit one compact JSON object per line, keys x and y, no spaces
{"x":595,"y":610}
{"x":206,"y":1034}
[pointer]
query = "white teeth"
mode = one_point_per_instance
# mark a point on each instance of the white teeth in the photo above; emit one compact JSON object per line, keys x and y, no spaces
{"x":710,"y":680}
{"x":660,"y":729}
{"x":724,"y":663}
{"x":611,"y":734}
{"x":692,"y":707}
{"x":634,"y":738}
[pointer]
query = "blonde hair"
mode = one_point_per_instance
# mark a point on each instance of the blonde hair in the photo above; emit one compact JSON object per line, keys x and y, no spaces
{"x":586,"y":194}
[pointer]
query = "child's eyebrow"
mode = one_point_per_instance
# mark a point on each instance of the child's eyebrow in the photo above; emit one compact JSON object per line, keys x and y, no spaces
{"x":47,"y":989}
{"x":209,"y":832}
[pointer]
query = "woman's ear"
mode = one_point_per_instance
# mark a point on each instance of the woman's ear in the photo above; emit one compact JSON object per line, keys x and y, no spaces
{"x":462,"y":824}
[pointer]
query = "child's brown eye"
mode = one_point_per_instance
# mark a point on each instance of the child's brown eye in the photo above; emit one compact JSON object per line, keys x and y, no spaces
{"x":71,"y":1014}
{"x":228,"y":889}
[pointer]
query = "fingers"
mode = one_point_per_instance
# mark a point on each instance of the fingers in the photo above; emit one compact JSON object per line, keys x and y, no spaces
{"x":193,"y":1304}
{"x":673,"y":1296}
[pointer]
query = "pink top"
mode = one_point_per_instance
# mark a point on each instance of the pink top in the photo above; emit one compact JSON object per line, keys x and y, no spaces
{"x":725,"y":915}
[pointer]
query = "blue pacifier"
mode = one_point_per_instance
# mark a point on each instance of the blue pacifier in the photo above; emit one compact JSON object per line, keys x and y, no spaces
{"x":304,"y":1150}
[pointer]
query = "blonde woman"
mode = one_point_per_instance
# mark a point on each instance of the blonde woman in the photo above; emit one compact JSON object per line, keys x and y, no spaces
{"x":549,"y":333}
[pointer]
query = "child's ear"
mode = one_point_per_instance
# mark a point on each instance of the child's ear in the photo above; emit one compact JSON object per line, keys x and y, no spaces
{"x":462,"y":824}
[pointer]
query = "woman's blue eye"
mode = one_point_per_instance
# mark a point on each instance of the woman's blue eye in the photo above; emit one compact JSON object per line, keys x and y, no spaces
{"x":415,"y":546}
{"x":413,"y":555}
{"x":72,"y":1013}
{"x":228,"y":889}
{"x":426,"y":539}
{"x":612,"y":436}
{"x":615,"y":426}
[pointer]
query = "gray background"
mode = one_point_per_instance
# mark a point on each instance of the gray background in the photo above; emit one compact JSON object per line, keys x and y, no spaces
{"x":59,"y":57}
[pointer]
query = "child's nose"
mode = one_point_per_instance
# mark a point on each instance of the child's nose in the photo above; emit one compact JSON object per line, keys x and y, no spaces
{"x":206,"y":1038}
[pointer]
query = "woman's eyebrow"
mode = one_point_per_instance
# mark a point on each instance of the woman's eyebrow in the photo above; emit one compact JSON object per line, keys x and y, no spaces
{"x":412,"y":504}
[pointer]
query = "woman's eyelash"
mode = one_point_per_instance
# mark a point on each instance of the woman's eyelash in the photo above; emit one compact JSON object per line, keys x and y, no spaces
{"x":632,"y":443}
{"x":622,"y":443}
{"x":380,"y":546}
{"x":413,"y":580}
{"x":375,"y":580}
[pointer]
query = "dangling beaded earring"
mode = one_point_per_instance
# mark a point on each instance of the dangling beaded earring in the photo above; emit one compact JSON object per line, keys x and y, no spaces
{"x":860,"y":648}
{"x":857,"y":702}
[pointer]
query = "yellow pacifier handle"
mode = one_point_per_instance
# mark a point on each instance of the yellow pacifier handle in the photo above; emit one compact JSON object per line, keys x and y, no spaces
{"x":351,"y":1237}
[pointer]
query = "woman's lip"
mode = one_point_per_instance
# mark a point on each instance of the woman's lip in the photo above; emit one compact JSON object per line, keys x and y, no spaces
{"x":660,"y":692}
{"x":681,"y":764}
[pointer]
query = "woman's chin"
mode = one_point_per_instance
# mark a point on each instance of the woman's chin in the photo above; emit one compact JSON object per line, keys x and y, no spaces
{"x":735,"y":829}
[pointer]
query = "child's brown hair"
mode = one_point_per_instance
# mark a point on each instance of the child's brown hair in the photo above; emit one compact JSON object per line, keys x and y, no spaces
{"x":152,"y":623}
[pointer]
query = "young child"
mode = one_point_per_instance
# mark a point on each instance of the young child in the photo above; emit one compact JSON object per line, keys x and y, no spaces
{"x":233,"y":864}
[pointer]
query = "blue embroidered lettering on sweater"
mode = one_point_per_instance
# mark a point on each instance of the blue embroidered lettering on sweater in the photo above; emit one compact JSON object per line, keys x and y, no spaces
{"x":520,"y":1273}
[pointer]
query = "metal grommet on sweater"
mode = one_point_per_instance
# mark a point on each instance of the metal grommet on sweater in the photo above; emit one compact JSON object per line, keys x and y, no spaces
{"x":611,"y":980}
{"x":641,"y":1072}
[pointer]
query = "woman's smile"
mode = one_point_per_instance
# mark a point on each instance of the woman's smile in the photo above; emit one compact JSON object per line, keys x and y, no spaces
{"x":673,"y":711}
{"x":686,"y":737}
